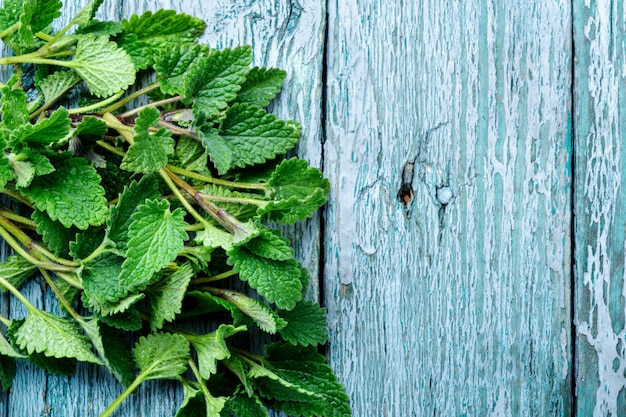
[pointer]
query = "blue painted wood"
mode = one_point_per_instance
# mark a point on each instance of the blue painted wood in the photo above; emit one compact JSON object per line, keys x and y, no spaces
{"x":454,"y":299}
{"x":600,"y":196}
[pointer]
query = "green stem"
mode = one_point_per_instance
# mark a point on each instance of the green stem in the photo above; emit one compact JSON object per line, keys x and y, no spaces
{"x":247,"y":356}
{"x":211,"y":180}
{"x":6,"y":213}
{"x":14,"y":194}
{"x":5,"y":321}
{"x":113,"y":406}
{"x":129,"y":98}
{"x":239,"y":200}
{"x":32,"y":58}
{"x":96,"y":106}
{"x":10,"y":29}
{"x":61,"y":298}
{"x":125,"y":131}
{"x":213,"y":278}
{"x":44,"y":36}
{"x":110,"y":148}
{"x":164,"y":174}
{"x":106,"y":242}
{"x":23,"y":253}
{"x":31,"y":244}
{"x":16,"y":293}
{"x":153,"y":104}
{"x":64,"y":276}
{"x":196,"y":373}
{"x":178,"y":130}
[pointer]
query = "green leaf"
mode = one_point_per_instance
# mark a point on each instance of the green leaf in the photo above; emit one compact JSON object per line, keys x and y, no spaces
{"x":14,"y":109}
{"x":171,"y":66}
{"x":45,"y":132}
{"x":113,"y":348}
{"x":87,"y":13}
{"x":306,"y":324}
{"x":72,"y":194}
{"x":135,"y":194}
{"x":243,"y":405}
{"x":261,"y":86}
{"x":213,"y":237}
{"x":57,"y":84}
{"x":102,"y":288}
{"x":191,"y":154}
{"x":6,"y":172}
{"x":277,"y":281}
{"x":255,"y":136}
{"x":264,"y":317}
{"x":156,"y":237}
{"x":56,"y":236}
{"x":91,"y":126}
{"x":148,"y":152}
{"x":219,"y":151}
{"x":271,"y":244}
{"x":7,"y":371}
{"x":166,"y":296}
{"x":199,"y":303}
{"x":55,"y":336}
{"x":161,"y":356}
{"x":105,"y":68}
{"x":145,"y":36}
{"x":215,"y":80}
{"x":37,"y":15}
{"x":16,"y":270}
{"x":197,"y":404}
{"x":294,"y":178}
{"x":87,"y":242}
{"x":212,"y":347}
{"x":7,"y":350}
{"x":128,"y":320}
{"x":299,"y":382}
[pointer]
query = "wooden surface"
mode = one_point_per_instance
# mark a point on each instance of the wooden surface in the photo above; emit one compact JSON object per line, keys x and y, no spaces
{"x":600,"y":97}
{"x":458,"y":304}
{"x":460,"y":139}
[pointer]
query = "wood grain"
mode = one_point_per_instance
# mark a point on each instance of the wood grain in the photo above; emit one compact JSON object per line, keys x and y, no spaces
{"x":459,"y":303}
{"x":600,"y":207}
{"x":283,"y":34}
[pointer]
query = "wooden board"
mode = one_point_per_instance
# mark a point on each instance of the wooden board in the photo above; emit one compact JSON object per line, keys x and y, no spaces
{"x":459,"y":303}
{"x":283,"y":34}
{"x":600,"y":206}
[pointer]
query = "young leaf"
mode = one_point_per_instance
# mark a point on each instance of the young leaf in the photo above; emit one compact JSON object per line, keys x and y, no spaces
{"x":55,"y":336}
{"x":261,"y":86}
{"x":57,"y":84}
{"x":161,"y":356}
{"x":277,"y":281}
{"x":16,"y":270}
{"x":145,"y":36}
{"x":255,"y":136}
{"x":306,"y":324}
{"x":156,"y":237}
{"x":215,"y":80}
{"x":149,"y":152}
{"x":135,"y":194}
{"x":263,"y":316}
{"x":171,"y":66}
{"x":46,"y":132}
{"x":212,"y":347}
{"x":72,"y":194}
{"x":166,"y":296}
{"x":105,"y":68}
{"x":219,"y":151}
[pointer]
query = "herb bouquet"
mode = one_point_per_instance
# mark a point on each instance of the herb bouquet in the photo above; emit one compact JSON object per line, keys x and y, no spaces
{"x":143,"y":219}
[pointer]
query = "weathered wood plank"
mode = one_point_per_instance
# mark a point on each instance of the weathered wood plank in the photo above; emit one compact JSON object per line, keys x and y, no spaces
{"x":600,"y":207}
{"x":458,"y":305}
{"x":285,"y":34}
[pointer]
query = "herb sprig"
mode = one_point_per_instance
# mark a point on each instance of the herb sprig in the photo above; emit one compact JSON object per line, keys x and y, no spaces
{"x":144,"y":218}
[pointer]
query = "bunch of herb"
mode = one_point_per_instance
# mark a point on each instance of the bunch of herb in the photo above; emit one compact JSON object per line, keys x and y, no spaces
{"x":142,"y":219}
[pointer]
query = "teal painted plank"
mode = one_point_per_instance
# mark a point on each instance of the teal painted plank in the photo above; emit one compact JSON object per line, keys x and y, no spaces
{"x":459,"y":303}
{"x":600,"y":206}
{"x":282,"y":33}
